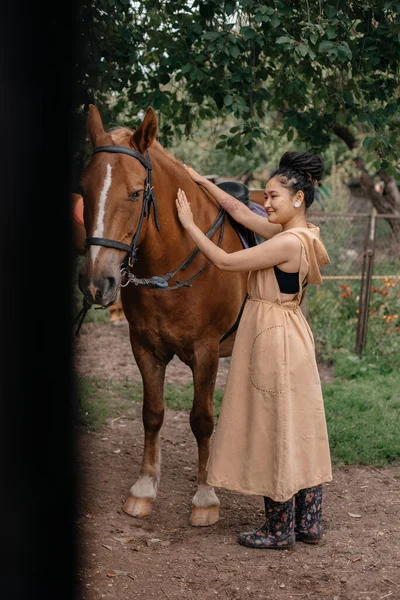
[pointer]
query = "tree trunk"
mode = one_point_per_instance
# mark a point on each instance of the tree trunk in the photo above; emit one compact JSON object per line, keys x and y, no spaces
{"x":385,"y":202}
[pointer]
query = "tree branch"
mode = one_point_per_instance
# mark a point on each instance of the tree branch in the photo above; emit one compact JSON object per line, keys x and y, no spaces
{"x":345,"y":134}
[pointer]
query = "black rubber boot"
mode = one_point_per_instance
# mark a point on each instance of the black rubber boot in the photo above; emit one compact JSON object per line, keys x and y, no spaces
{"x":278,"y":531}
{"x":308,"y":527}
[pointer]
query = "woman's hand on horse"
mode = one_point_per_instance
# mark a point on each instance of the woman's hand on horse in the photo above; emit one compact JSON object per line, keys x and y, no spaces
{"x":193,"y":174}
{"x":184,"y":211}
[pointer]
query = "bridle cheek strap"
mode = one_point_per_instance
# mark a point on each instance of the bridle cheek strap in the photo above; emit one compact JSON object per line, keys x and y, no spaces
{"x":148,"y":200}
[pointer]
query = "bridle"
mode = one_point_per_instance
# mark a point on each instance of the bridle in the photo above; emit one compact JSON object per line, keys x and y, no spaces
{"x":149,"y":199}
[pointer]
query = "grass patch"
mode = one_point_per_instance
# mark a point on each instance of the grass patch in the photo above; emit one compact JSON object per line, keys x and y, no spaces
{"x":92,"y":403}
{"x":99,"y":400}
{"x":362,"y":412}
{"x":363,"y":419}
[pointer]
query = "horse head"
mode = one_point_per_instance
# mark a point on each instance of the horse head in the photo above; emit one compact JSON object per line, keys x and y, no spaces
{"x":117,"y":193}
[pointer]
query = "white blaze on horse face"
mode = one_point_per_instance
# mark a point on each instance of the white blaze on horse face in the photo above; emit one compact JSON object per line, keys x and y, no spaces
{"x":99,"y":231}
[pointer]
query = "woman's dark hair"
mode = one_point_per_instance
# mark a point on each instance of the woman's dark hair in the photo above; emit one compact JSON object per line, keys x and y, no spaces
{"x":300,"y":171}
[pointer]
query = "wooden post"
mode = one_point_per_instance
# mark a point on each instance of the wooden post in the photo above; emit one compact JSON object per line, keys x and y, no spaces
{"x":365,"y":287}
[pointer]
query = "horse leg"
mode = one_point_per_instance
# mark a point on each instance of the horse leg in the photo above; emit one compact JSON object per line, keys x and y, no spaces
{"x":143,"y":493}
{"x":205,"y":504}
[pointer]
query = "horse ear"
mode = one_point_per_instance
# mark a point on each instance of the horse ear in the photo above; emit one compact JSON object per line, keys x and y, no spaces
{"x":145,"y":134}
{"x":94,"y":125}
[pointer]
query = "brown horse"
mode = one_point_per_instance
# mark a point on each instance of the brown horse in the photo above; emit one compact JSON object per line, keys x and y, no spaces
{"x":120,"y":218}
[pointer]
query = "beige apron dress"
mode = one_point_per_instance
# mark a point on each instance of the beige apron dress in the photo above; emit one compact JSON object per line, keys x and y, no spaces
{"x":271,"y":438}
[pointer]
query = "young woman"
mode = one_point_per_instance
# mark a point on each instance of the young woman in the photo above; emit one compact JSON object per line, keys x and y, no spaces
{"x":271,"y":439}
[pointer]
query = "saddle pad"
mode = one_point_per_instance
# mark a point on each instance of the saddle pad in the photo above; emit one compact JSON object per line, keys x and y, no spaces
{"x":241,"y":192}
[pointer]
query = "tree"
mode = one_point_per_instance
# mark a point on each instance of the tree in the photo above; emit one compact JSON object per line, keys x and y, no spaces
{"x":320,"y":70}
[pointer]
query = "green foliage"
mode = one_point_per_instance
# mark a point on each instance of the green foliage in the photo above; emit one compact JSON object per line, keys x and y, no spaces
{"x":201,"y":150}
{"x":312,"y":66}
{"x":334,"y":314}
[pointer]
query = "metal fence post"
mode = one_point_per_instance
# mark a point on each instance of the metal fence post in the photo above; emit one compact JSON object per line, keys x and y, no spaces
{"x":365,"y":287}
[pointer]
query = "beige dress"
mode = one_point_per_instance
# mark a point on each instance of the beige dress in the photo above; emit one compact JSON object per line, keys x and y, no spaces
{"x":271,"y":438}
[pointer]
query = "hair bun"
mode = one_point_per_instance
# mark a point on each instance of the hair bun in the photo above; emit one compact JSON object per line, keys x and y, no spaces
{"x":309,"y":165}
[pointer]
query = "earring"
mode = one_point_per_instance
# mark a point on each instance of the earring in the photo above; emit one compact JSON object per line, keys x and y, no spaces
{"x":297,"y":204}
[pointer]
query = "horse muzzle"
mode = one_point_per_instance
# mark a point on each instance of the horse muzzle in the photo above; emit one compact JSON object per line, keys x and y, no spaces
{"x":100,"y":291}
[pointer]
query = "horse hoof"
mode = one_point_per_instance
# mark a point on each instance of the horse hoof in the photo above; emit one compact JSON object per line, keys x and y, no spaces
{"x":138,"y":507}
{"x":204,"y":516}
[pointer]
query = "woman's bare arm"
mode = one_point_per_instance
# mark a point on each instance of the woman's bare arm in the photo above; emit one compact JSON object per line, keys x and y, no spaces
{"x":283,"y":250}
{"x":238,"y":211}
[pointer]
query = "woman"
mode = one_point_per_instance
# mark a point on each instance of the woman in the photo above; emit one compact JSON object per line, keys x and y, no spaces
{"x":271,"y":438}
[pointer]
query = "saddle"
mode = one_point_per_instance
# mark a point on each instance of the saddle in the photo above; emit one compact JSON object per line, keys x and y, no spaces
{"x":241,"y":192}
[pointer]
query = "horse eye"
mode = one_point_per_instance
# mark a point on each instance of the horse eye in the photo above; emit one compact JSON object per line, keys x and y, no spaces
{"x":134,"y":195}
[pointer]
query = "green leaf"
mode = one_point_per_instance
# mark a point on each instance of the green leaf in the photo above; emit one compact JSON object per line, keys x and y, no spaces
{"x":248,"y":33}
{"x":325,"y":46}
{"x":234,"y":51}
{"x":313,"y":37}
{"x":275,"y":21}
{"x":344,"y":52}
{"x":284,"y":40}
{"x":330,"y":11}
{"x":197,"y":28}
{"x":229,"y":7}
{"x":228,"y":99}
{"x":211,"y":35}
{"x":303,"y":49}
{"x":368,"y":143}
{"x":331,"y":33}
{"x":348,"y":98}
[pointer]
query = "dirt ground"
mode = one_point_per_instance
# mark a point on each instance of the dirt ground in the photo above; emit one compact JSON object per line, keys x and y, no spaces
{"x":162,"y":557}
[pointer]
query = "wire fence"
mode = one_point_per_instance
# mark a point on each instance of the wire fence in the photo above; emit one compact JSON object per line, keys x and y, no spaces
{"x":345,"y":235}
{"x":365,"y":269}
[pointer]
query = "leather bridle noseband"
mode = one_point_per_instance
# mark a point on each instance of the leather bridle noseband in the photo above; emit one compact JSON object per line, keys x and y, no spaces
{"x":149,"y":199}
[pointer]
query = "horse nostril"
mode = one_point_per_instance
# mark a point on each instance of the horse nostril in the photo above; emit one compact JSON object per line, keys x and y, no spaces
{"x":111,"y":285}
{"x":98,"y":296}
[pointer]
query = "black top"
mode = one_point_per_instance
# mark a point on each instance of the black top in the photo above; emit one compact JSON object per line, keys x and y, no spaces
{"x":288,"y":282}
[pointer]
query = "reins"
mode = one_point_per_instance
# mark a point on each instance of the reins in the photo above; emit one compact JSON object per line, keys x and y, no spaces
{"x":162,"y":282}
{"x":149,"y":199}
